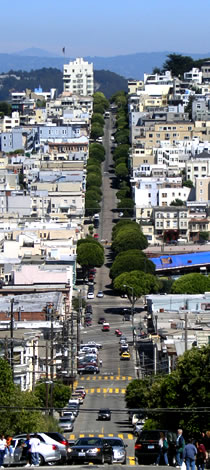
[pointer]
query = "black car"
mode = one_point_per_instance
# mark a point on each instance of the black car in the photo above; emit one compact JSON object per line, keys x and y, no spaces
{"x":101,"y":320}
{"x":90,"y":449}
{"x":89,"y":309}
{"x":104,"y":414}
{"x":147,"y":446}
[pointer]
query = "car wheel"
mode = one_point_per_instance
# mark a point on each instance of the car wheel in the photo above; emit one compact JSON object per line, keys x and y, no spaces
{"x":111,"y":460}
{"x":41,"y":460}
{"x":102,"y":460}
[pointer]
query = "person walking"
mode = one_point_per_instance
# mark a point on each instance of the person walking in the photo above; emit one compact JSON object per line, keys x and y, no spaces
{"x":163,"y":449}
{"x":189,"y":455}
{"x":201,"y":455}
{"x":3,"y":445}
{"x":28,"y":451}
{"x":180,"y":444}
{"x":34,"y":446}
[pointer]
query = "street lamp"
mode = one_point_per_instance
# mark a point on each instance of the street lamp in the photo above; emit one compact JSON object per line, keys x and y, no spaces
{"x":132,"y":306}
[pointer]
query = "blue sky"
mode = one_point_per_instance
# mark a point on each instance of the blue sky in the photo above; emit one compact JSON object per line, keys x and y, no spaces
{"x":105,"y":27}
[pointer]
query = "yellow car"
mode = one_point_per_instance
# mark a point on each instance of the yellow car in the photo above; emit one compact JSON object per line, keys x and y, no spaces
{"x":125,"y":356}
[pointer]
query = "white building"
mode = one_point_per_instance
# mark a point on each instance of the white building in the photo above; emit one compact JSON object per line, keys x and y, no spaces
{"x":193,"y":76}
{"x":78,"y":77}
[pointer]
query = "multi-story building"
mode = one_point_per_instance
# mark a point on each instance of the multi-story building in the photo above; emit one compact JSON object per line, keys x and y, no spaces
{"x":193,"y":76}
{"x":78,"y":78}
{"x":198,"y":166}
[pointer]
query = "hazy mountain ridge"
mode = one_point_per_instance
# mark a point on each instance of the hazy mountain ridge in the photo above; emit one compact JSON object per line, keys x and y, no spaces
{"x":128,"y":66}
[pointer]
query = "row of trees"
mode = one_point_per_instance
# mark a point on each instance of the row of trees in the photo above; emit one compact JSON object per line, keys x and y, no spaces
{"x":100,"y":105}
{"x":186,"y":388}
{"x":21,"y":411}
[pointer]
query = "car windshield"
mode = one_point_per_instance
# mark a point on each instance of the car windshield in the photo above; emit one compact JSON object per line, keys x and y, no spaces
{"x":114,"y":442}
{"x":85,"y":441}
{"x":104,"y":411}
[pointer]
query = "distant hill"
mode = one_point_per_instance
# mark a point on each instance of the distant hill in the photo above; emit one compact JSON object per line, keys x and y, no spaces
{"x":35,"y":52}
{"x":128,"y":66}
{"x":105,"y":81}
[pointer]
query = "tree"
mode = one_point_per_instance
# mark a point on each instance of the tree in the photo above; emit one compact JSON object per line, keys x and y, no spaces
{"x":122,"y":136}
{"x":78,"y":303}
{"x":178,"y":64}
{"x":186,"y":387}
{"x":121,"y":151}
{"x":90,"y":239}
{"x":124,"y":225}
{"x":93,"y":180}
{"x":203,"y":236}
{"x":94,"y":195}
{"x":177,"y":202}
{"x":96,"y":131}
{"x":129,"y":239}
{"x":194,"y":283}
{"x":188,"y":184}
{"x":141,"y":282}
{"x":91,"y":207}
{"x":121,"y":171}
{"x":131,"y":260}
{"x":90,"y":255}
{"x":96,"y":146}
{"x":94,"y":169}
{"x":5,"y":108}
{"x":122,"y":193}
{"x":60,"y":394}
{"x":126,"y":205}
{"x":98,"y":119}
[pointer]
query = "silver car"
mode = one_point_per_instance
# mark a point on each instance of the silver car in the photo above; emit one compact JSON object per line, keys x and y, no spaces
{"x":119,"y":449}
{"x":17,"y":454}
{"x":66,"y":424}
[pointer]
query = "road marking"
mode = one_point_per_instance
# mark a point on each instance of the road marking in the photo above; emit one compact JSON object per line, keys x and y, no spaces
{"x":104,"y":390}
{"x":105,"y":377}
{"x":123,"y":377}
{"x":123,"y":390}
{"x":120,"y":436}
{"x":94,"y":377}
{"x":90,"y":435}
{"x":111,"y":377}
{"x":72,"y":437}
{"x":116,"y":390}
{"x":132,"y":461}
{"x":98,"y":390}
{"x":81,"y":435}
{"x":117,"y":378}
{"x":110,"y":435}
{"x":92,"y":390}
{"x":130,"y":378}
{"x":75,"y":384}
{"x":110,"y":390}
{"x":101,"y":435}
{"x":130,"y":436}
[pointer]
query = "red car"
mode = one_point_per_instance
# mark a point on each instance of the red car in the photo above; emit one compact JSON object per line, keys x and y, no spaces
{"x":118,"y":332}
{"x":106,"y":327}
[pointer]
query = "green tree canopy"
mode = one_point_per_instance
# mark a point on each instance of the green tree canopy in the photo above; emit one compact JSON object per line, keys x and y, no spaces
{"x":177,"y":202}
{"x":90,"y":239}
{"x":61,"y":394}
{"x":121,"y":170}
{"x":131,"y":260}
{"x":121,"y":151}
{"x":129,"y":239}
{"x":91,"y":207}
{"x":186,"y":387}
{"x":123,"y":193}
{"x":91,"y":194}
{"x":5,"y":108}
{"x":141,"y":282}
{"x":96,"y":131}
{"x":96,"y":146}
{"x":178,"y":64}
{"x":93,"y":179}
{"x":124,"y":225}
{"x":126,"y":205}
{"x":122,"y":136}
{"x":90,"y":255}
{"x":194,"y":283}
{"x":188,"y":184}
{"x":97,"y":118}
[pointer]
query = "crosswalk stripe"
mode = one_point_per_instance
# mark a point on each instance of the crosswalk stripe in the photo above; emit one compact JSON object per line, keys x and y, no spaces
{"x":72,"y":437}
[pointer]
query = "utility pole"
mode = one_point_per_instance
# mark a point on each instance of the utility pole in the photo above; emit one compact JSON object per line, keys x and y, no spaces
{"x":185,"y":332}
{"x":33,"y":365}
{"x":51,"y":309}
{"x":46,"y":378}
{"x":12,"y":338}
{"x":78,"y":322}
{"x":72,"y":346}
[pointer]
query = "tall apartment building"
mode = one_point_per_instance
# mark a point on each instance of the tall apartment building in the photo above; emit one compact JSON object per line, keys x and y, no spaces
{"x":78,"y":78}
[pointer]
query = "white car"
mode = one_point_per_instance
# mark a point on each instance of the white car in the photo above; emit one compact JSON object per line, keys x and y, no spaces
{"x":100,"y":294}
{"x":90,"y":295}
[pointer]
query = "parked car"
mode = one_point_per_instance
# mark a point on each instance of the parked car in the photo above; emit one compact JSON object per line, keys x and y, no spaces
{"x":101,"y":320}
{"x":147,"y":446}
{"x":118,"y":332}
{"x":106,"y":327}
{"x":91,"y":449}
{"x":48,"y":450}
{"x":138,"y":427}
{"x":104,"y":414}
{"x":119,"y":449}
{"x":90,"y":295}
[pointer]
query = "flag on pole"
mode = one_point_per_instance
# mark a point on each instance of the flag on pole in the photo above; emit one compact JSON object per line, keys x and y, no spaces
{"x":63,"y":50}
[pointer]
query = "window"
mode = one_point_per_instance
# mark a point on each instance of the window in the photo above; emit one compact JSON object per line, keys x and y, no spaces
{"x":164,"y":195}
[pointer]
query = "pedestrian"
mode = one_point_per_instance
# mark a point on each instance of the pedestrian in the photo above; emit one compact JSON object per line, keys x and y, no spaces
{"x":189,"y":455}
{"x":163,"y":449}
{"x":28,"y":451}
{"x":3,"y":445}
{"x":180,"y":443}
{"x":34,"y":443}
{"x":9,"y":447}
{"x":201,"y":455}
